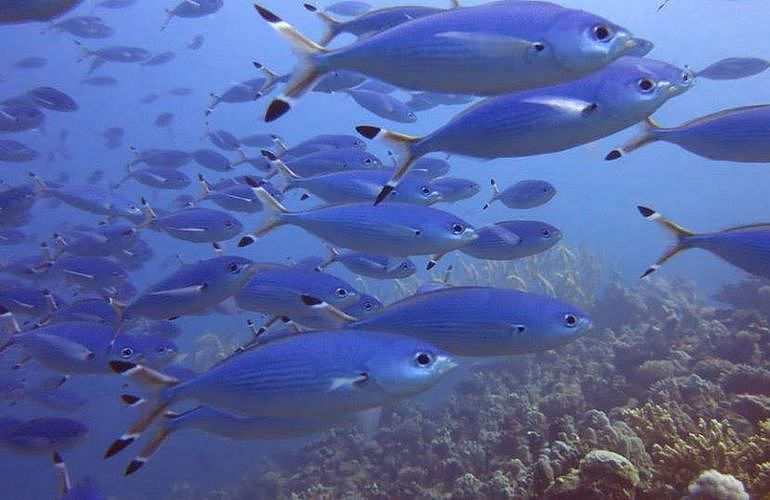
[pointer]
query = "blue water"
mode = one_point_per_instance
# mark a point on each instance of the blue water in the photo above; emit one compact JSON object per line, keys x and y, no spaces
{"x":595,"y":205}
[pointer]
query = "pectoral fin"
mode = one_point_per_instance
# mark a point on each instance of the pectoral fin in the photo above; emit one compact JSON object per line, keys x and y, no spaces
{"x":185,"y":291}
{"x":348,"y":382}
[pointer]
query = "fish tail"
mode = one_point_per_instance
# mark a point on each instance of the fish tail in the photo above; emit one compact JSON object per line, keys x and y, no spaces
{"x":271,"y":78}
{"x":149,"y":450}
{"x":62,"y":473}
{"x":331,"y":258}
{"x":40,"y":185}
{"x":678,"y":231}
{"x":169,"y":17}
{"x":333,"y":26}
{"x":272,"y":206}
{"x":160,"y":402}
{"x":213,"y":103}
{"x":149,"y":213}
{"x":306,"y":74}
{"x":7,"y":332}
{"x":404,"y":148}
{"x":495,"y":193}
{"x":649,"y":134}
{"x":455,"y":4}
{"x":327,"y":311}
{"x":433,"y":261}
{"x":205,"y":186}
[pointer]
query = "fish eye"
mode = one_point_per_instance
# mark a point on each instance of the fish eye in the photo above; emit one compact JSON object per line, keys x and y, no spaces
{"x":232,"y":267}
{"x":128,"y":232}
{"x":425,"y":190}
{"x":228,"y":224}
{"x":368,"y":161}
{"x":160,"y":350}
{"x":538,"y":46}
{"x":546,"y":233}
{"x":570,"y":320}
{"x":457,"y":228}
{"x":341,"y":293}
{"x":645,"y":84}
{"x":686,"y":77}
{"x":126,"y":352}
{"x":423,"y":359}
{"x":368,"y":306}
{"x":411,"y":115}
{"x":601,"y":33}
{"x":405,"y":265}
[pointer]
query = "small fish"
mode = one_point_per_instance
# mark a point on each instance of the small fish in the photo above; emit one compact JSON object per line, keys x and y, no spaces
{"x":478,"y":321}
{"x":734,"y":68}
{"x":430,"y":168}
{"x":11,"y":237}
{"x":116,"y":54}
{"x":149,"y":98}
{"x":91,"y":273}
{"x":323,"y":142}
{"x":401,"y":230}
{"x":95,"y":177}
{"x":212,"y":160}
{"x":158,"y":177}
{"x":332,"y":160}
{"x":17,"y":118}
{"x":377,"y":86}
{"x":42,"y":435}
{"x":180,"y":91}
{"x":53,"y":99}
{"x":247,"y":90}
{"x":233,"y":197}
{"x":223,"y":139}
{"x":531,"y":45}
{"x":738,"y":135}
{"x":83,"y":27}
{"x":327,"y":379}
{"x":14,"y":152}
{"x":172,"y":158}
{"x":91,"y":199}
{"x":373,"y":266}
{"x":193,"y":9}
{"x":136,"y":256}
{"x":349,"y":8}
{"x":196,"y":42}
{"x":35,"y":10}
{"x":116,"y":4}
{"x":745,"y":247}
{"x":100,"y":241}
{"x":524,"y":194}
{"x":510,"y":240}
{"x":453,"y":189}
{"x":32,"y":62}
{"x":91,"y":310}
{"x":27,"y":301}
{"x":567,"y":115}
{"x":199,"y":225}
{"x":259,"y":140}
{"x":337,"y":81}
{"x":383,"y":105}
{"x":193,"y":288}
{"x":160,"y":59}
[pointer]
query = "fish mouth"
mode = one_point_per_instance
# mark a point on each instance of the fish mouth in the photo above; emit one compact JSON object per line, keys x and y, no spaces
{"x":469,"y":235}
{"x":637,"y":47}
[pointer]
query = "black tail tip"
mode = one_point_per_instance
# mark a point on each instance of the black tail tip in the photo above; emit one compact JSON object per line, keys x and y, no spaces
{"x":246,"y":241}
{"x":645,"y":211}
{"x":57,"y":459}
{"x":268,"y":154}
{"x":368,"y":131}
{"x":130,"y":399}
{"x":134,"y":466}
{"x":4,"y":310}
{"x":304,"y":196}
{"x":431,"y":264}
{"x":277,"y":109}
{"x":310,"y":7}
{"x":267,"y":15}
{"x":386,"y":190}
{"x":121,"y":366}
{"x":117,"y":447}
{"x":615,"y":154}
{"x":648,"y":272}
{"x":311,"y":301}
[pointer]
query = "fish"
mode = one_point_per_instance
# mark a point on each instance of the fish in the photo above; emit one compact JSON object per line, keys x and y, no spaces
{"x":15,"y":152}
{"x":164,"y":120}
{"x":17,"y":118}
{"x":223,"y":139}
{"x":736,"y":134}
{"x":366,"y":305}
{"x":20,"y":11}
{"x":160,"y":59}
{"x":567,"y":115}
{"x":212,"y":160}
{"x":91,"y":199}
{"x":196,"y":43}
{"x":400,"y":230}
{"x":430,"y":168}
{"x":173,"y":158}
{"x":331,"y":160}
{"x":17,"y":201}
{"x":198,"y":225}
{"x":377,"y":86}
{"x":733,"y":68}
{"x":100,"y":241}
{"x":331,"y":373}
{"x":337,"y":81}
{"x":508,"y":240}
{"x":27,"y":301}
{"x":745,"y":247}
{"x":91,"y":310}
{"x":149,"y":98}
{"x":52,"y":99}
{"x":382,"y":105}
{"x":354,"y":186}
{"x":116,"y":54}
{"x":92,"y":273}
{"x":259,"y":140}
{"x":246,"y":90}
{"x":482,"y":321}
{"x":116,"y":4}
{"x":234,"y":197}
{"x":192,"y":288}
{"x":323,"y":142}
{"x":83,"y":27}
{"x":372,"y":266}
{"x":100,"y":81}
{"x":180,"y":91}
{"x":32,"y":62}
{"x":516,"y":46}
{"x":86,"y":488}
{"x":453,"y":189}
{"x":134,"y":257}
{"x":349,"y":8}
{"x":529,"y":193}
{"x":371,"y":22}
{"x":192,"y":9}
{"x":157,"y":177}
{"x":42,"y":435}
{"x":11,"y":237}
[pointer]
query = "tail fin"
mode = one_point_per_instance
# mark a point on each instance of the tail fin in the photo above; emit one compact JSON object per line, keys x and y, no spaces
{"x":283,"y":168}
{"x":84,"y":51}
{"x":6,"y":334}
{"x":307,"y":73}
{"x":271,"y":79}
{"x":495,"y":193}
{"x":327,"y":311}
{"x":149,"y":450}
{"x":213,"y":103}
{"x":205,"y":186}
{"x":404,"y":147}
{"x":62,"y":473}
{"x":169,"y":17}
{"x":649,"y":134}
{"x":271,"y":205}
{"x":40,"y":185}
{"x":330,"y":259}
{"x":149,"y":214}
{"x":161,"y":401}
{"x":333,"y":26}
{"x":681,"y":237}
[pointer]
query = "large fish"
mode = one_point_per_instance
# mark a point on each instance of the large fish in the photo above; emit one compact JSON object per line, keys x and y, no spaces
{"x":19,"y":11}
{"x":547,"y":120}
{"x":746,"y":247}
{"x":400,"y":230}
{"x":92,"y":199}
{"x":478,"y":321}
{"x":490,"y":49}
{"x":738,"y":134}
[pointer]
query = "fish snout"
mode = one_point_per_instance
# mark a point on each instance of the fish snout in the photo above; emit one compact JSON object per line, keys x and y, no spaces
{"x":637,"y":47}
{"x":444,"y":364}
{"x":469,"y":235}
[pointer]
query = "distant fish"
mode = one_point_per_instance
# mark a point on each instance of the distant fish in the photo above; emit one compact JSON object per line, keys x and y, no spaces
{"x":737,"y":135}
{"x":323,"y":142}
{"x":373,"y":266}
{"x":734,"y":68}
{"x":234,"y":197}
{"x":196,"y":42}
{"x":157,"y":157}
{"x":84,"y":27}
{"x":116,"y":4}
{"x":349,"y":8}
{"x":746,"y":247}
{"x":529,"y":193}
{"x":116,"y":54}
{"x":198,"y":225}
{"x":212,"y":160}
{"x":11,"y":237}
{"x":192,"y":9}
{"x":383,"y":105}
{"x":158,"y":177}
{"x":95,"y":177}
{"x":91,"y":273}
{"x":453,"y":189}
{"x":27,"y":301}
{"x":91,"y":310}
{"x":100,"y":241}
{"x":181,"y":91}
{"x":42,"y":435}
{"x":149,"y":98}
{"x":32,"y":62}
{"x":17,"y":118}
{"x":13,"y":151}
{"x":246,"y":90}
{"x":160,"y":59}
{"x":164,"y":120}
{"x":222,"y":139}
{"x":20,"y":11}
{"x":52,"y":99}
{"x":337,"y":81}
{"x":260,"y":140}
{"x":508,"y":240}
{"x":100,"y":81}
{"x":332,"y":160}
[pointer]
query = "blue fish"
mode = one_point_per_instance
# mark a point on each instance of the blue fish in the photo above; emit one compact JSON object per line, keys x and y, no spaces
{"x":91,"y":273}
{"x":746,"y":247}
{"x":171,"y":158}
{"x":158,"y":177}
{"x":84,"y":489}
{"x":477,"y":321}
{"x":515,"y":46}
{"x":15,"y":151}
{"x":524,"y":194}
{"x":738,"y":134}
{"x":41,"y":435}
{"x":191,"y":10}
{"x":100,"y":241}
{"x":734,"y":68}
{"x":452,"y":189}
{"x":373,"y":266}
{"x":337,"y":81}
{"x":27,"y":301}
{"x":199,"y":225}
{"x":516,"y":239}
{"x":546,"y":120}
{"x":212,"y":160}
{"x":246,"y":90}
{"x":232,"y":196}
{"x":52,"y":99}
{"x":323,"y":142}
{"x":332,"y":160}
{"x":366,"y":305}
{"x":19,"y":11}
{"x":11,"y":237}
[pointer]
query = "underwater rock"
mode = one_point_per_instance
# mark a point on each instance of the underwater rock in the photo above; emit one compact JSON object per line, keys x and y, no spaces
{"x":467,"y":487}
{"x":609,"y":472}
{"x":752,"y":407}
{"x":745,"y":379}
{"x":654,"y":370}
{"x":713,"y":485}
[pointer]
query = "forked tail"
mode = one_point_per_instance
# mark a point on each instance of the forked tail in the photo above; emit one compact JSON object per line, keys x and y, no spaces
{"x":678,"y":231}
